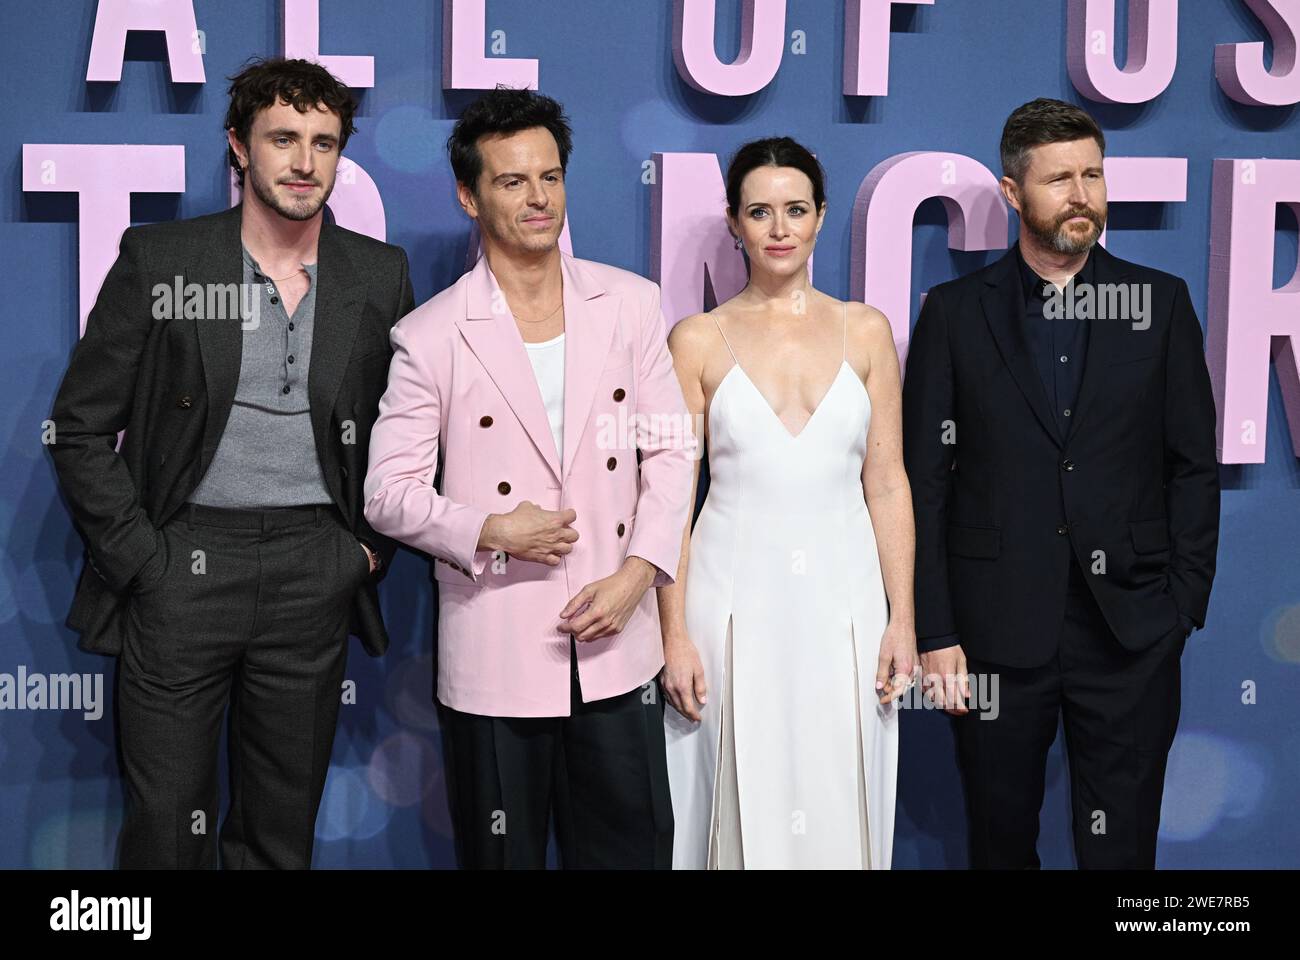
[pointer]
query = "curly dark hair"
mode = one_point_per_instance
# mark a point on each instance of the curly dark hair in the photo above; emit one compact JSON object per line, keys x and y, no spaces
{"x":498,"y":111}
{"x":1039,"y":122}
{"x":263,"y":83}
{"x":773,"y":152}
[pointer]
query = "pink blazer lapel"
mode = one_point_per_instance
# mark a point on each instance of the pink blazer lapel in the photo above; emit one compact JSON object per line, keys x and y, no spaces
{"x":590,"y":315}
{"x":589,"y":321}
{"x":490,"y":331}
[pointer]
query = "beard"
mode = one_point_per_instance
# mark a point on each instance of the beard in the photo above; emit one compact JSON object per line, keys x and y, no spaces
{"x":293,"y":209}
{"x":1052,"y":232}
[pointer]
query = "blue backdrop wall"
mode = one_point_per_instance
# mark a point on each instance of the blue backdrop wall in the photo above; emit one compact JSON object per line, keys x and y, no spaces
{"x":958,"y":68}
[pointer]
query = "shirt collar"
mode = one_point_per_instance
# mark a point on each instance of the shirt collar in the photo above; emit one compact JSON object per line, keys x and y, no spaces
{"x":257,"y":271}
{"x":1034,"y":286}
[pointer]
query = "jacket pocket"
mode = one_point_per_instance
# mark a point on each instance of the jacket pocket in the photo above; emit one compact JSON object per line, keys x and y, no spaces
{"x":984,"y":543}
{"x":1127,"y":358}
{"x":1149,"y":536}
{"x":147,"y":579}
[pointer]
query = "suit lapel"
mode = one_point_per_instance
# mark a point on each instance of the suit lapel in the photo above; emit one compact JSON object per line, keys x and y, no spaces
{"x":489,"y":329}
{"x":340,"y":294}
{"x":1003,"y":303}
{"x":1105,"y":337}
{"x":589,"y":331}
{"x":219,"y":262}
{"x":491,"y":332}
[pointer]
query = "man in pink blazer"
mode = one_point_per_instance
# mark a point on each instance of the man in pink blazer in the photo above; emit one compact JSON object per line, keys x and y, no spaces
{"x":542,"y":386}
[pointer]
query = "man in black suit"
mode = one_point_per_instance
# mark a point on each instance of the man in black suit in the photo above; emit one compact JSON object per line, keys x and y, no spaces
{"x":244,"y":354}
{"x":1059,"y":439}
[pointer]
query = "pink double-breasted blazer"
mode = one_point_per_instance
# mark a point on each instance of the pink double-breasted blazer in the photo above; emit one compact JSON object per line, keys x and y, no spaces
{"x":462,"y":393}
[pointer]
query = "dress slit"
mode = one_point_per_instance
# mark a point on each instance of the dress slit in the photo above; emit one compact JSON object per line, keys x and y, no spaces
{"x":726,"y":848}
{"x":865,"y":825}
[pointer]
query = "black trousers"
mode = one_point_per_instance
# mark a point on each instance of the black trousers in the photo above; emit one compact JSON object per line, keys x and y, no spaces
{"x":250,"y":611}
{"x":604,"y":770}
{"x":1119,"y":710}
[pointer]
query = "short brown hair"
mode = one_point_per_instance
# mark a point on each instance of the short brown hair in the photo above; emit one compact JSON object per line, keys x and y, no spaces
{"x":264,"y":83}
{"x":1039,"y":122}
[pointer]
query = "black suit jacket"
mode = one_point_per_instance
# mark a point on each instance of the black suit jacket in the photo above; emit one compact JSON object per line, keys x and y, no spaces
{"x":170,"y":383}
{"x":1132,"y":491}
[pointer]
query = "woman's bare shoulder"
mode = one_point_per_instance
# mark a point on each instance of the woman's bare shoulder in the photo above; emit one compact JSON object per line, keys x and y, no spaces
{"x":691,"y":337}
{"x":868,"y":327}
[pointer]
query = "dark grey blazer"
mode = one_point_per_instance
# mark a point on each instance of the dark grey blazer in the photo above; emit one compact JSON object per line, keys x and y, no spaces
{"x":169,"y":384}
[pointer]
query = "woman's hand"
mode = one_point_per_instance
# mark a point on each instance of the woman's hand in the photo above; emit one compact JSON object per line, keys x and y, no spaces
{"x":683,"y":678}
{"x":898,"y":664}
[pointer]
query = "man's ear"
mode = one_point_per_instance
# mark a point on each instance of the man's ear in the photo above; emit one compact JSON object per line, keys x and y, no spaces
{"x":1010,"y":192}
{"x":241,"y":154}
{"x":468,"y":202}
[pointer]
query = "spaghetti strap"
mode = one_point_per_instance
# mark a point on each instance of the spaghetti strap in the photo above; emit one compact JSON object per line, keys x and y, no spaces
{"x":724,"y":339}
{"x":844,"y":349}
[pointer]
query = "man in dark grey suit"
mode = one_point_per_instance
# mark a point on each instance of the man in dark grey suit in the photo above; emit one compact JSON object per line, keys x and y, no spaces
{"x":228,"y":559}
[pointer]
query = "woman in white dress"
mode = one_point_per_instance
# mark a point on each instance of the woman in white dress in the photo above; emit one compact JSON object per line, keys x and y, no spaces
{"x":788,"y":635}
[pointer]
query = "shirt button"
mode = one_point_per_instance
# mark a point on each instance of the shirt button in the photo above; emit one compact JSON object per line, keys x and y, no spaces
{"x":503,"y":488}
{"x":611,"y":463}
{"x":485,"y":421}
{"x":621,"y":529}
{"x":285,"y":388}
{"x":1068,"y":466}
{"x":185,"y":403}
{"x":619,"y":394}
{"x":1062,"y":529}
{"x":291,"y":326}
{"x":1064,"y":358}
{"x":291,"y":358}
{"x":1067,"y":411}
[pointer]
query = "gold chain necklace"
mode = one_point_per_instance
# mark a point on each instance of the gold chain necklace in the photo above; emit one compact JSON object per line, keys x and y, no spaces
{"x":543,"y":320}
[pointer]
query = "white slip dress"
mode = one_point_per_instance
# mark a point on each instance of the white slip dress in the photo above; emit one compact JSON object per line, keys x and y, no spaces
{"x":794,"y":762}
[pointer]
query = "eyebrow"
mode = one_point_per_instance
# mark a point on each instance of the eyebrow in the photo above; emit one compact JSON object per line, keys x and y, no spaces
{"x":524,"y":176}
{"x":764,"y":203}
{"x":294,"y":135}
{"x":1061,"y":173}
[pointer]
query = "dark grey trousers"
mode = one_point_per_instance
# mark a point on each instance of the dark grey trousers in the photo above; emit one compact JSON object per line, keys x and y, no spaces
{"x":249,"y":609}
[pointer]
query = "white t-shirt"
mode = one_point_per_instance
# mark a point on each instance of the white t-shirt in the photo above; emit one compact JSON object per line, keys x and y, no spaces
{"x":547,"y":359}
